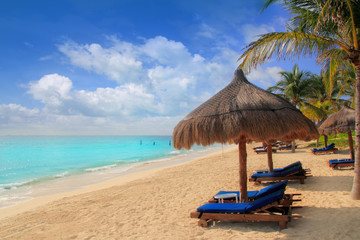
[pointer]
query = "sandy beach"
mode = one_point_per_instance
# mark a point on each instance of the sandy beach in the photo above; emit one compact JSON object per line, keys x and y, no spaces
{"x":156,"y":203}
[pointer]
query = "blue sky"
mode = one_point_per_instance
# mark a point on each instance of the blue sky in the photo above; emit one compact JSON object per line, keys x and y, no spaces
{"x":124,"y":67}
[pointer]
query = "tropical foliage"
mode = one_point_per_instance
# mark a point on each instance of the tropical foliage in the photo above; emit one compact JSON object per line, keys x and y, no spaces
{"x":295,"y":86}
{"x":326,"y":29}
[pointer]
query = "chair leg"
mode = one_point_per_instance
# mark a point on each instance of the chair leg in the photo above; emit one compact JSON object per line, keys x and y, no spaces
{"x":282,"y":224}
{"x":204,"y":223}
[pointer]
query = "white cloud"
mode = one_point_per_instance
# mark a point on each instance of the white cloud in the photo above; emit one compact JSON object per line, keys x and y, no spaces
{"x":51,"y":89}
{"x":265,"y":78}
{"x":15,"y":113}
{"x":166,"y":69}
{"x":166,"y":52}
{"x":118,"y":63}
{"x":56,"y":92}
{"x":158,"y":81}
{"x":252,"y":32}
{"x":207,"y":31}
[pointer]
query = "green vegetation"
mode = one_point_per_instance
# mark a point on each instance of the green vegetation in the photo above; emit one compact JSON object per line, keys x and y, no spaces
{"x":340,"y":140}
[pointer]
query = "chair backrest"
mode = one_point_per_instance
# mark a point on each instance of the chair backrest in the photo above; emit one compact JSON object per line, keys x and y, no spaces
{"x":266,"y":200}
{"x":295,"y":164}
{"x":270,"y":189}
{"x":291,"y":170}
{"x":330,"y":146}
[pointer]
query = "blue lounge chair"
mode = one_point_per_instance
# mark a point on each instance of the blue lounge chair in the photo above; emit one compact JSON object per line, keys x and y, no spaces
{"x":339,"y":163}
{"x":263,"y":150}
{"x":329,"y":149}
{"x":253,"y":195}
{"x":262,"y":209}
{"x":290,"y":166}
{"x":286,"y":147}
{"x":293,"y":171}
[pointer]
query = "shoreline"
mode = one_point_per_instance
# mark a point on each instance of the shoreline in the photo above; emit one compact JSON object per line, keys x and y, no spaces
{"x":53,"y":189}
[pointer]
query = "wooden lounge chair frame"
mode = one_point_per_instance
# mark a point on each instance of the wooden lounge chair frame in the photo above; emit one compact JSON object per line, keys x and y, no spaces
{"x":269,"y":213}
{"x":300,"y":175}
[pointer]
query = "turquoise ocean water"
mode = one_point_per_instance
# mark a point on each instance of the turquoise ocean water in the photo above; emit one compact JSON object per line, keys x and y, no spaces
{"x":28,"y":160}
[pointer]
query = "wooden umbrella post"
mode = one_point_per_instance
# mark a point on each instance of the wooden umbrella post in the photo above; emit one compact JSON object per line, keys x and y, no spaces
{"x":269,"y":156}
{"x":351,"y":145}
{"x":325,"y":140}
{"x":243,"y":169}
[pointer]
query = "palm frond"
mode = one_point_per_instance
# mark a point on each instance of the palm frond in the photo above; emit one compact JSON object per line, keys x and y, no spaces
{"x":312,"y":112}
{"x":285,"y":45}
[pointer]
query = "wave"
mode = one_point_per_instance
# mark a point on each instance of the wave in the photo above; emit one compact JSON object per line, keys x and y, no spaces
{"x":61,"y":175}
{"x":96,"y":169}
{"x":176,"y":152}
{"x":15,"y":185}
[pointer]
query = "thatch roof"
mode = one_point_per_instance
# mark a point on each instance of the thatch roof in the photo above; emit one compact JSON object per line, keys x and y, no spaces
{"x":339,"y":122}
{"x":242,"y":109}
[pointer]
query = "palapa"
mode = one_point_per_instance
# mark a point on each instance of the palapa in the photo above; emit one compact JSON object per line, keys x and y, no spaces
{"x":342,"y":121}
{"x":241,"y":112}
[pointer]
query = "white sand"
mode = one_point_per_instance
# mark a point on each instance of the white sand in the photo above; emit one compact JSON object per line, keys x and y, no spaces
{"x":156,"y":204}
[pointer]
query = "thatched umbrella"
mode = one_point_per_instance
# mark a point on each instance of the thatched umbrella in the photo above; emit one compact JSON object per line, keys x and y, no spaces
{"x":241,"y":112}
{"x":340,"y":122}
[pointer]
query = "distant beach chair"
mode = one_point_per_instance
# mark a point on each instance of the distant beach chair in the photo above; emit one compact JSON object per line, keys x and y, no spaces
{"x":292,"y":165}
{"x":329,"y":149}
{"x":340,"y":163}
{"x":263,"y":150}
{"x":259,"y":147}
{"x":293,"y":171}
{"x":254,"y":195}
{"x":264,"y":209}
{"x":287,"y":147}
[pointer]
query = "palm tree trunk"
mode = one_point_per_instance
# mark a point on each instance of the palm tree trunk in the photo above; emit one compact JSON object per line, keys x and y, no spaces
{"x":351,"y":145}
{"x":355,"y":192}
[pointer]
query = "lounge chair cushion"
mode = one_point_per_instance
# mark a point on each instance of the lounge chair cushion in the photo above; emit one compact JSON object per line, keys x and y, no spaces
{"x":223,"y":208}
{"x":251,"y":194}
{"x":330,"y":146}
{"x":266,"y":175}
{"x":291,"y":170}
{"x":270,"y":189}
{"x":294,"y":167}
{"x":339,"y":161}
{"x":298,"y":163}
{"x":295,"y":164}
{"x":263,"y":192}
{"x":263,"y":201}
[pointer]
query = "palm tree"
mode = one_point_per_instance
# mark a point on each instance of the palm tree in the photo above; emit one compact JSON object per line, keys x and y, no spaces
{"x":327,"y":29}
{"x":294,"y":86}
{"x":324,"y":94}
{"x":346,"y":83}
{"x":322,"y":100}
